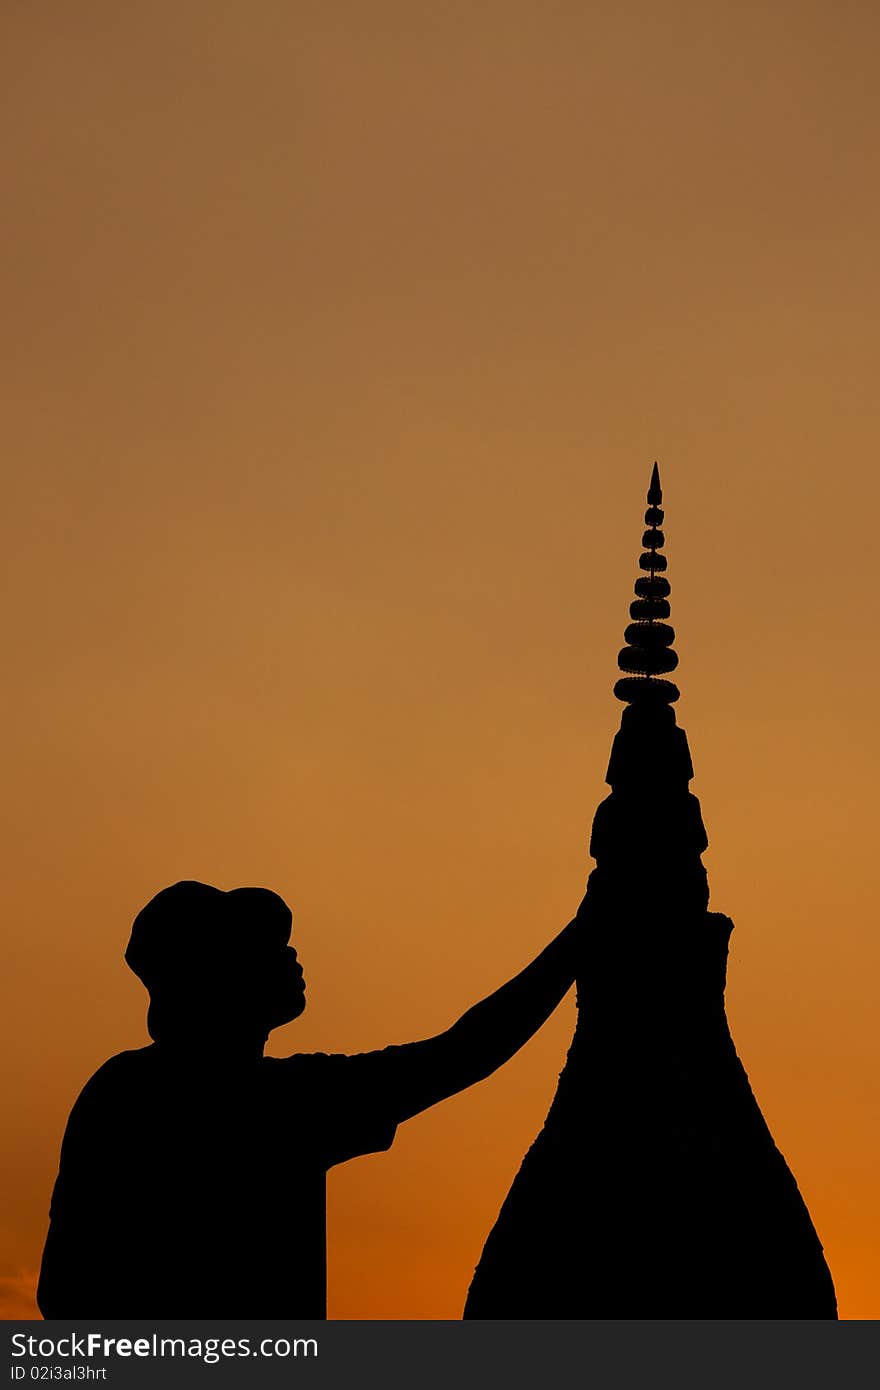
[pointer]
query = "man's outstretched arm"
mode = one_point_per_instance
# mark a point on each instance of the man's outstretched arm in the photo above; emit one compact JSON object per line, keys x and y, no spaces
{"x":489,"y":1033}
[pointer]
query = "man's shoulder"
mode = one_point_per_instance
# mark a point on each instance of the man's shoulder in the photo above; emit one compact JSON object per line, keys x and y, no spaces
{"x":124,"y":1064}
{"x":106,"y":1102}
{"x":338,"y":1061}
{"x":305,"y":1066}
{"x":344,"y":1069}
{"x":118,"y":1073}
{"x":132,"y":1057}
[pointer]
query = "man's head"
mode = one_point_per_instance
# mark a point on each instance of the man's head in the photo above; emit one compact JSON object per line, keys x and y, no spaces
{"x":216,"y":960}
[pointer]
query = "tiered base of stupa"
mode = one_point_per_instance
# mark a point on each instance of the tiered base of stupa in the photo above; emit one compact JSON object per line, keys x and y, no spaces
{"x":655,"y":1189}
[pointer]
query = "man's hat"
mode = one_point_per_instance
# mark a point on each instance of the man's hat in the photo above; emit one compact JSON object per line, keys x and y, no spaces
{"x":192,"y":931}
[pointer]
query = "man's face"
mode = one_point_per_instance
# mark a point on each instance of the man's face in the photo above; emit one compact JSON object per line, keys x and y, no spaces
{"x":287,"y":993}
{"x":262,"y":985}
{"x":261,"y":964}
{"x":269,"y":987}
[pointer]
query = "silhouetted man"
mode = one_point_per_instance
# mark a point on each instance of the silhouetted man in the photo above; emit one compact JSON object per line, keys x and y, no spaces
{"x":192,"y":1175}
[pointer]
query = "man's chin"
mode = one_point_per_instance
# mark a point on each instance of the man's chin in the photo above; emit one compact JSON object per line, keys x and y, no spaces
{"x":292,"y":1011}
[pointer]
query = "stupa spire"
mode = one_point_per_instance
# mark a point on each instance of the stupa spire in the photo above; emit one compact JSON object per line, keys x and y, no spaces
{"x":648,"y":655}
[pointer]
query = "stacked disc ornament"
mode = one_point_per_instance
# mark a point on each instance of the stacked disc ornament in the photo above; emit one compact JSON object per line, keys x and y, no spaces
{"x":654,"y":1189}
{"x":648,"y":655}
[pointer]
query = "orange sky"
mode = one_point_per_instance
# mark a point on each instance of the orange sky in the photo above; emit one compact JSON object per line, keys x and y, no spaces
{"x":339,"y":343}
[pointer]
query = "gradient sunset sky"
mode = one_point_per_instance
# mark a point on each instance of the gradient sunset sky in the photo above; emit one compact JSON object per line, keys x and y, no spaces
{"x":339,"y":342}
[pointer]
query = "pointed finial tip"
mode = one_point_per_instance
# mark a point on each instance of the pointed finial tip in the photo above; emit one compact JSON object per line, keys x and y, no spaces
{"x":655,"y":492}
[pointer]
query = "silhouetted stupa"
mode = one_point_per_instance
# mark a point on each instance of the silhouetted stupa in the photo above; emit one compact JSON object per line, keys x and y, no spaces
{"x":655,"y":1189}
